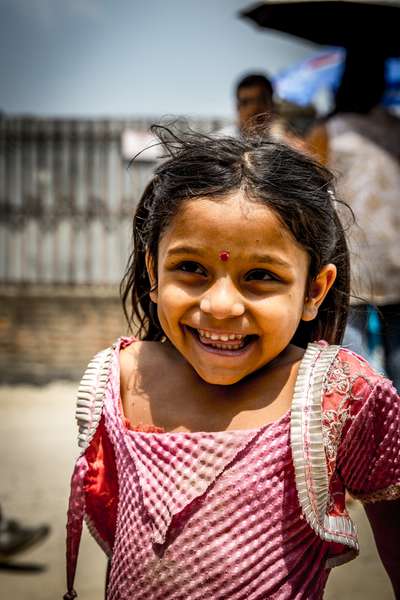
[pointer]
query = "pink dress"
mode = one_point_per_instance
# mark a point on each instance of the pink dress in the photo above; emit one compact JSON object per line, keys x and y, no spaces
{"x":252,"y":514}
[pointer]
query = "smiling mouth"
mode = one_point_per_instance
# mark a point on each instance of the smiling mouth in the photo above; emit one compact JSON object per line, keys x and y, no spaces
{"x":225,"y":343}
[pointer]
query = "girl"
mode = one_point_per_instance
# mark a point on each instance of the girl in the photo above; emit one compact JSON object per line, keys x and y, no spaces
{"x":217,"y":445}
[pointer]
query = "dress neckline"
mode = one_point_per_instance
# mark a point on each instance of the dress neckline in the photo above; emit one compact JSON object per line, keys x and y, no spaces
{"x":281,"y":421}
{"x":136,"y":429}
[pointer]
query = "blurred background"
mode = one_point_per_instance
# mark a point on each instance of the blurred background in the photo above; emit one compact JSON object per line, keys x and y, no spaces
{"x":81,"y":82}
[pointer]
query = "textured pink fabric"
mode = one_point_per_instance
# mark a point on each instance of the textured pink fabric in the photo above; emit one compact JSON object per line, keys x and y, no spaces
{"x":76,"y":509}
{"x":216,"y":515}
{"x":209,"y":515}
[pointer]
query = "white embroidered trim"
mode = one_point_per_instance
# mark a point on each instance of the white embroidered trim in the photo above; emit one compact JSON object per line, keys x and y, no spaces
{"x":308,"y":452}
{"x":90,"y":398}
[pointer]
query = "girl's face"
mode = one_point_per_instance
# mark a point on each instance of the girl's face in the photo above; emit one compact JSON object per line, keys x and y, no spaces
{"x":232,"y":286}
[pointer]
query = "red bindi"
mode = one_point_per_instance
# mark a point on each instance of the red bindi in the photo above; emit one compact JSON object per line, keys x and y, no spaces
{"x":224,"y":255}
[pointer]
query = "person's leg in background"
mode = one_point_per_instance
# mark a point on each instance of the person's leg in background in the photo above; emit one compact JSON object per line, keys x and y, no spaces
{"x":15,"y":537}
{"x":390,"y":323}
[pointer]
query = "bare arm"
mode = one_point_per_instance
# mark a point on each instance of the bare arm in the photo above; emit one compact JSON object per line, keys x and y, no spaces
{"x":318,"y":144}
{"x":384,"y":518}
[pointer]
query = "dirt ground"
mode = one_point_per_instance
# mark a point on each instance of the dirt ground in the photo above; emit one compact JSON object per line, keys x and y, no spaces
{"x":38,"y":446}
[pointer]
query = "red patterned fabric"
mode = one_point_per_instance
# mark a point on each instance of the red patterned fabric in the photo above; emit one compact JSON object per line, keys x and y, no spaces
{"x":101,"y":488}
{"x":368,"y":456}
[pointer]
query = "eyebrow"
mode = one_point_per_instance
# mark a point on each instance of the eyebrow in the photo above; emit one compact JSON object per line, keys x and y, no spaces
{"x":269,"y":258}
{"x":260,"y":258}
{"x":184,"y":250}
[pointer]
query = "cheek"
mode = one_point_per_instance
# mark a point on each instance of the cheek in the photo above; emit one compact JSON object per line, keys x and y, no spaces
{"x":172,"y":299}
{"x":282,"y":310}
{"x":296,"y":298}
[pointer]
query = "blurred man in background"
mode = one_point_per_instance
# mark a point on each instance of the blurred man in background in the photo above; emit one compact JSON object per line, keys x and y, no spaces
{"x":254,"y":105}
{"x":258,"y":112}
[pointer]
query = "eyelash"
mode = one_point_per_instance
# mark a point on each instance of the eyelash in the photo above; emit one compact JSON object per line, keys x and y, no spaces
{"x":195,"y":269}
{"x":184,"y":267}
{"x":270,"y":277}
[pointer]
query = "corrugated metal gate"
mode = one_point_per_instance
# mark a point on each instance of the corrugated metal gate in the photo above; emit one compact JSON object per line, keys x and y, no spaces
{"x":67,"y":199}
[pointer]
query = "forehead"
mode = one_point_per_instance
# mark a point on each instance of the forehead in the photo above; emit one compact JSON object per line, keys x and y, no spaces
{"x":251,"y":91}
{"x":229,"y":222}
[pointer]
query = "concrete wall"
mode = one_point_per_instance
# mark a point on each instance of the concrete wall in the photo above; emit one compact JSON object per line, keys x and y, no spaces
{"x":49,"y":333}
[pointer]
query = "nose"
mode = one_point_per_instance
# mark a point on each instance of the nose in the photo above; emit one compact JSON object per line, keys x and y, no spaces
{"x":222,"y":300}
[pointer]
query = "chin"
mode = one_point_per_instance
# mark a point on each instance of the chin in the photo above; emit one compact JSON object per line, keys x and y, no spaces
{"x":220,"y":378}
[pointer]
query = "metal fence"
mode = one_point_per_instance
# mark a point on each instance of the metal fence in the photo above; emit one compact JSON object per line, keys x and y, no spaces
{"x":67,"y":198}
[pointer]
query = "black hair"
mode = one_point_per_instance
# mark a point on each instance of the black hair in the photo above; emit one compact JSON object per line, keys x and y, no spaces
{"x":294,"y":186}
{"x":253,"y":79}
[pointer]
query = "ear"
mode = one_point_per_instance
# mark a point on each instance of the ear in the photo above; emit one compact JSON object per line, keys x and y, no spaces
{"x":319,"y":288}
{"x":152,"y":276}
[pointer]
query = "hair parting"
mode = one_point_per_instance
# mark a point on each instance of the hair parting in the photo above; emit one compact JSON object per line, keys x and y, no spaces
{"x":298,"y":189}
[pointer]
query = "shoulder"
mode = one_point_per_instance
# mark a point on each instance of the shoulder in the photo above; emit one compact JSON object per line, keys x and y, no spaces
{"x":357,"y":368}
{"x":351,"y":382}
{"x":145,"y":369}
{"x":141,"y":357}
{"x":90,"y":396}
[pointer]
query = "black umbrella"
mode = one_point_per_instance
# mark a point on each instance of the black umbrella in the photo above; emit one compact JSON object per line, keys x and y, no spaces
{"x":373,"y":24}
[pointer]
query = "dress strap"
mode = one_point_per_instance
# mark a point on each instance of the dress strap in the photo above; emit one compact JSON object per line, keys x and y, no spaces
{"x":308,"y":450}
{"x":89,"y":407}
{"x":90,"y":399}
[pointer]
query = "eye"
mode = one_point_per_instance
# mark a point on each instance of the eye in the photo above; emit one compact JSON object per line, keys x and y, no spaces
{"x":260,"y":275}
{"x":189,"y":266}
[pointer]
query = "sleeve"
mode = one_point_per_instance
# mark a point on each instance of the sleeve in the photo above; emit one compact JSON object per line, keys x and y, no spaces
{"x":369,"y":453}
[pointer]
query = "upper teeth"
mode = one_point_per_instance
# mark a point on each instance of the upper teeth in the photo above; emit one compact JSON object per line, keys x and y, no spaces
{"x":223,"y":337}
